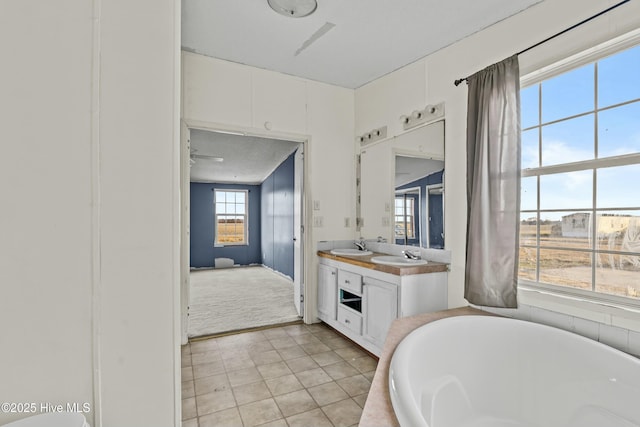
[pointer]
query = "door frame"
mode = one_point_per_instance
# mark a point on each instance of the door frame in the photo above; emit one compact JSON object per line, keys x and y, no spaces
{"x":298,"y":230}
{"x":305,"y":233}
{"x":428,"y":213}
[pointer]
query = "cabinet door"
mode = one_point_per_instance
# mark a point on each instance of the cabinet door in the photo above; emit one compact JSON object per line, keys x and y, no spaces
{"x":327,"y":292}
{"x":380,"y":302}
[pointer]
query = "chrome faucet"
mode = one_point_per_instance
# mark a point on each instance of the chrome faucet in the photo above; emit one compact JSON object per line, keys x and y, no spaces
{"x":361,"y":245}
{"x":411,"y":254}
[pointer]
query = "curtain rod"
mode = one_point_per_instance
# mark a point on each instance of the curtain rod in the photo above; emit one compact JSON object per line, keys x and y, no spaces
{"x":464,"y":79}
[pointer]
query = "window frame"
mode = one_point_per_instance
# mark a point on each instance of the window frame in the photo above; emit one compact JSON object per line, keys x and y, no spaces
{"x":594,"y":54}
{"x":411,"y":225}
{"x":245,"y":241}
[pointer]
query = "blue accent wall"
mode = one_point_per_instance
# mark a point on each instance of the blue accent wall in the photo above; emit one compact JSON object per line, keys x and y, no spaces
{"x":270,"y":223}
{"x":436,"y":228}
{"x":277,"y":218}
{"x":266,"y":219}
{"x":203,"y":251}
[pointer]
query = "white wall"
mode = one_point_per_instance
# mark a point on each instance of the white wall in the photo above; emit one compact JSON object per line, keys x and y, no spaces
{"x":223,"y":95}
{"x":139,"y":212}
{"x":466,"y":57}
{"x":45,"y":182}
{"x":384,"y":100}
{"x":88,"y":233}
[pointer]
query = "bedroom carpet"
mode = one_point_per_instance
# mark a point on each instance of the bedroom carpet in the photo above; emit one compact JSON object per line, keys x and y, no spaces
{"x":230,"y":299}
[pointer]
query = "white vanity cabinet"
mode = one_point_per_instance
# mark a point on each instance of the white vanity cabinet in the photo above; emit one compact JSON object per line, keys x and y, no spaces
{"x":327,"y":291}
{"x":361,"y":302}
{"x":380,"y":302}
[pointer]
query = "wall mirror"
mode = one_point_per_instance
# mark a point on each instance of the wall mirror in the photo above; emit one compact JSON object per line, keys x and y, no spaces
{"x":402,"y":188}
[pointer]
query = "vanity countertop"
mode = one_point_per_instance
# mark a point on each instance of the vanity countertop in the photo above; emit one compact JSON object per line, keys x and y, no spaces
{"x":365,"y":261}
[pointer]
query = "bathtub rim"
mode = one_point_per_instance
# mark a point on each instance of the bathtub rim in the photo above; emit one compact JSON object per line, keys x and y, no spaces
{"x":410,"y":412}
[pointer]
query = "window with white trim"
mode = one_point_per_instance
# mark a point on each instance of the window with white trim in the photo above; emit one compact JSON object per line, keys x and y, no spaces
{"x":231,"y":217}
{"x":405,"y":217}
{"x":580,"y":196}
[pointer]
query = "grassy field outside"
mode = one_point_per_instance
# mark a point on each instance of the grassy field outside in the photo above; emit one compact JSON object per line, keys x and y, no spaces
{"x":230,"y":231}
{"x":616,"y":274}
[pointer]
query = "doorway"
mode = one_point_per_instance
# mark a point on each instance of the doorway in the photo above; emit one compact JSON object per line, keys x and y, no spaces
{"x":260,"y":186}
{"x":435,"y":216}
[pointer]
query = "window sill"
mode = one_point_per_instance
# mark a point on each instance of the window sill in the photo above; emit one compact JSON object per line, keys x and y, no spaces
{"x":601,"y":309}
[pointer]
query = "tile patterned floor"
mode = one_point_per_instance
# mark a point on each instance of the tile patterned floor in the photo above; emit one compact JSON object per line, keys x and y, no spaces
{"x":296,"y":375}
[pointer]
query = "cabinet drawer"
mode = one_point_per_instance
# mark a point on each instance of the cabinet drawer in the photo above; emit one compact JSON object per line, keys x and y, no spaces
{"x":351,"y":320}
{"x":350,"y":281}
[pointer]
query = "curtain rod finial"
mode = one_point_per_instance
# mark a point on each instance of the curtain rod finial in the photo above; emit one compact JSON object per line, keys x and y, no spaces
{"x":457,"y":82}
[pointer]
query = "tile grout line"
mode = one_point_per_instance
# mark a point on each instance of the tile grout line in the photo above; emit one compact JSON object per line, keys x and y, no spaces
{"x":293,"y":334}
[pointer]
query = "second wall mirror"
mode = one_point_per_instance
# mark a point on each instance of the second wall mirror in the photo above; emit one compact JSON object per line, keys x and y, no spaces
{"x":402,"y":188}
{"x":419,"y":202}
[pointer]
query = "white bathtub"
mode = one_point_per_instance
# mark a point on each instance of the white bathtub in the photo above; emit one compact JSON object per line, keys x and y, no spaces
{"x":481,"y":371}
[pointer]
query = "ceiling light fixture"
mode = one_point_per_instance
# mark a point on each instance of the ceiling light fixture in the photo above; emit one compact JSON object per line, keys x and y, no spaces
{"x":294,"y":8}
{"x":195,"y":156}
{"x":207,"y":157}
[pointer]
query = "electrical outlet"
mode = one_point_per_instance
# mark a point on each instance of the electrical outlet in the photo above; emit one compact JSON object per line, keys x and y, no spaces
{"x":385,"y":221}
{"x":316,"y":205}
{"x":347,"y":222}
{"x":318,"y":221}
{"x":387,"y":207}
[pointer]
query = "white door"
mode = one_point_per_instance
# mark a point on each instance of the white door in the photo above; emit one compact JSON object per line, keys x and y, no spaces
{"x":298,"y":232}
{"x":184,"y":230}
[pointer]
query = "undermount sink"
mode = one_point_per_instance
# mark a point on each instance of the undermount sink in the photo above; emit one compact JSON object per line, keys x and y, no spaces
{"x":397,"y":261}
{"x":350,"y":252}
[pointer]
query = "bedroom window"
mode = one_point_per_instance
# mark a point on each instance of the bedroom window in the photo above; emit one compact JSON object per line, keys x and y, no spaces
{"x":405,"y":217}
{"x":580,"y":191}
{"x":231,"y":217}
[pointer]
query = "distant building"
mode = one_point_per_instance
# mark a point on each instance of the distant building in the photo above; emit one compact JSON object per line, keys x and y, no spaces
{"x":579,"y":224}
{"x":576,"y":225}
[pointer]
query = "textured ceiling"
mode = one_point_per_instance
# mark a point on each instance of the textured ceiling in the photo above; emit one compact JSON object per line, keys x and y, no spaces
{"x":347,"y":43}
{"x":409,"y":169}
{"x":246,"y":159}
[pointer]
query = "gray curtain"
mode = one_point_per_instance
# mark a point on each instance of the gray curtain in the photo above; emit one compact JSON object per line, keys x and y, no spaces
{"x":493,"y":185}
